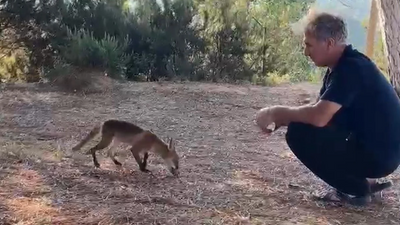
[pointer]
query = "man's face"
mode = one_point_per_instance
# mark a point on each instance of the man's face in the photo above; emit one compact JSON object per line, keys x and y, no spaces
{"x":318,"y":51}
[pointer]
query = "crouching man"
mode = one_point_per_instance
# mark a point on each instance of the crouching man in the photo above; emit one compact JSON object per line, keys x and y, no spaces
{"x":351,"y":135}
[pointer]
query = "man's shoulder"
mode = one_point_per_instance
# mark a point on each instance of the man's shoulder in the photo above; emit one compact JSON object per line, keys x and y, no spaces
{"x":349,"y":69}
{"x":355,"y":63}
{"x":356,"y":66}
{"x":356,"y":60}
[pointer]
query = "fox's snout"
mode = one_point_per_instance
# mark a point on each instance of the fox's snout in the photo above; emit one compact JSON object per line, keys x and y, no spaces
{"x":174,"y":171}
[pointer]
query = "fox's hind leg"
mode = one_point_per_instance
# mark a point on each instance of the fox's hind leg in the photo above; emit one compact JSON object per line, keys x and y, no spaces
{"x":111,"y":152}
{"x":104,"y":143}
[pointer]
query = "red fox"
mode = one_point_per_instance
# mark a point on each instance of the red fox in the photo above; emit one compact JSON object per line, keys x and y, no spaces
{"x":141,"y":141}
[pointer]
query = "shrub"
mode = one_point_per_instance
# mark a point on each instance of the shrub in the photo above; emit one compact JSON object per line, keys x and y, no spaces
{"x":107,"y":54}
{"x":14,"y":67}
{"x":78,"y":80}
{"x":271,"y":79}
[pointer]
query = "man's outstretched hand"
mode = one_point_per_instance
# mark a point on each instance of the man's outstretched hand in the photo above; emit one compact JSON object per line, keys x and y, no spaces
{"x":269,"y":115}
{"x":264,"y":119}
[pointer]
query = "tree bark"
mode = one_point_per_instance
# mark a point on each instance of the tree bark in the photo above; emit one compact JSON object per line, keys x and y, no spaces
{"x":389,"y":11}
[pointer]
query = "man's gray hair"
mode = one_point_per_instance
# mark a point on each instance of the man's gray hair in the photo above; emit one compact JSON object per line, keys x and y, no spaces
{"x":324,"y":26}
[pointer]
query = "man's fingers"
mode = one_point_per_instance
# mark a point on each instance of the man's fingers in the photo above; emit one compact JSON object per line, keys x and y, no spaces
{"x":264,"y":121}
{"x":270,"y":129}
{"x":266,"y":130}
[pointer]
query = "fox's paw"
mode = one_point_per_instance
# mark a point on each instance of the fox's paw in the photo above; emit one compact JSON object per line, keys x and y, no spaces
{"x":145,"y":170}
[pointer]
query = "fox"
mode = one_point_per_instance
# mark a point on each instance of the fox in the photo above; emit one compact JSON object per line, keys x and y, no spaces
{"x":139,"y":139}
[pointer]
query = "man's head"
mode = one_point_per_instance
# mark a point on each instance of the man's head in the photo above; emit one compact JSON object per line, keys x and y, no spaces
{"x":324,"y":38}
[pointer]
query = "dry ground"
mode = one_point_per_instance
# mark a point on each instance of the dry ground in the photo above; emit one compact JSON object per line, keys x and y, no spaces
{"x":230,"y":174}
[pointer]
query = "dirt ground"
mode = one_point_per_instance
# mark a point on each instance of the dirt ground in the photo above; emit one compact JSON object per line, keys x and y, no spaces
{"x":229,"y":172}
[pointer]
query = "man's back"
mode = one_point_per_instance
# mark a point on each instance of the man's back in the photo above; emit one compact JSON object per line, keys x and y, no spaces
{"x":373,"y":112}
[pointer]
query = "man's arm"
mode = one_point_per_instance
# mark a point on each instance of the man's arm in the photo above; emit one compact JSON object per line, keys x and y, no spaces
{"x":318,"y":114}
{"x":340,"y":92}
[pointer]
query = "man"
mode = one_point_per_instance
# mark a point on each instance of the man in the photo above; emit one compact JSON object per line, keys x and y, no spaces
{"x":353,"y":131}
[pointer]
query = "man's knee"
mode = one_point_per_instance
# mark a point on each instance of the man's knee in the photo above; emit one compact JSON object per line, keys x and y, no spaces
{"x":298,"y":132}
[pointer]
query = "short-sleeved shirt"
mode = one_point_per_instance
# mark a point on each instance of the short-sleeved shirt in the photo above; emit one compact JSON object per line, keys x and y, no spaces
{"x":370,"y":106}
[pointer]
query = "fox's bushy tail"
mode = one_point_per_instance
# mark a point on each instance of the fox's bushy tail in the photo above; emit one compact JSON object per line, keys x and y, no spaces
{"x":90,"y":136}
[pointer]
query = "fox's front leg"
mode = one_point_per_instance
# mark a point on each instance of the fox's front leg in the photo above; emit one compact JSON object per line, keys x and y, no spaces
{"x":142,"y":165}
{"x":136,"y":149}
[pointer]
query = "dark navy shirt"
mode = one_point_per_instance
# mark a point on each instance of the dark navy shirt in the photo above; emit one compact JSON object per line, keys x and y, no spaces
{"x":370,"y":106}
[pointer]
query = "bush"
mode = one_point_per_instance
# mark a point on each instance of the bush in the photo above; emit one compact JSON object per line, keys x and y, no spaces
{"x":14,"y":67}
{"x":271,"y":79}
{"x":195,"y":40}
{"x":77,"y":80}
{"x":107,"y":54}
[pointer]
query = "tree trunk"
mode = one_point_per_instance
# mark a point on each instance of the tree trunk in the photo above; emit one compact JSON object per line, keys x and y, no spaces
{"x":390,"y":19}
{"x":264,"y":51}
{"x":371,"y":31}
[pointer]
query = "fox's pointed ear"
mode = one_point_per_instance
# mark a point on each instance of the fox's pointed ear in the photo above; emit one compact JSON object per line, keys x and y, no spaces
{"x":171,"y":144}
{"x":168,"y":141}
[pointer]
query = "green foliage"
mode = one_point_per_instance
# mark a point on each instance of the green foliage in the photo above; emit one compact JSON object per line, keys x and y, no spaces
{"x":168,"y":43}
{"x":277,"y":50}
{"x":271,"y":79}
{"x":107,"y":53}
{"x":217,"y":40}
{"x":380,"y":57}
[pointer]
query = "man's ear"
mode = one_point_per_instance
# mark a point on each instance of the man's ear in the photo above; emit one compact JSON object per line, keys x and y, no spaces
{"x":330,"y":43}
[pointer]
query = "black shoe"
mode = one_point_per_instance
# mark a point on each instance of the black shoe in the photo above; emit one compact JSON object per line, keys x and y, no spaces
{"x":356,"y":200}
{"x":378,"y":187}
{"x":336,"y":196}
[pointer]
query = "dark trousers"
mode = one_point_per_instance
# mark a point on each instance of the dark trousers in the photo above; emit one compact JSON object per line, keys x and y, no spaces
{"x":336,"y":157}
